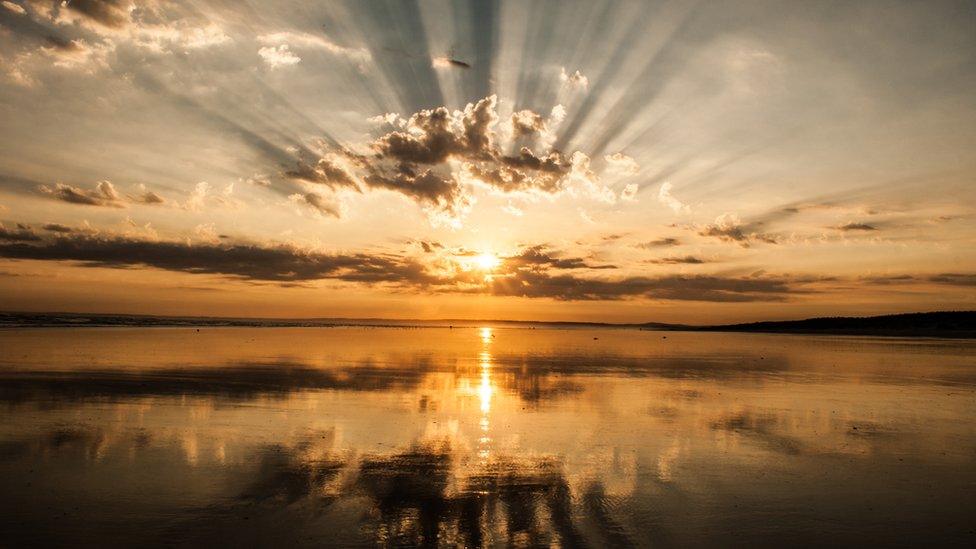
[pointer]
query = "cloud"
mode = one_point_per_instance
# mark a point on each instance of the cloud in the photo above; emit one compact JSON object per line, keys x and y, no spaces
{"x":535,"y":272}
{"x":319,"y":203}
{"x":22,"y":233}
{"x":429,"y":247}
{"x":57,"y":228}
{"x":16,"y":8}
{"x":688,"y":260}
{"x":629,"y":194}
{"x":531,"y":283}
{"x":622,"y":165}
{"x":856,"y":227}
{"x":242,"y":261}
{"x":104,"y":194}
{"x":541,"y":256}
{"x":729,"y":228}
{"x":659,"y":243}
{"x":574,"y":81}
{"x":113,"y":14}
{"x":943,"y":279}
{"x":435,"y":156}
{"x":278,"y":56}
{"x":441,"y":193}
{"x":304,"y":40}
{"x":325,"y":171}
{"x":665,"y":197}
{"x":513,"y":210}
{"x":150,"y":197}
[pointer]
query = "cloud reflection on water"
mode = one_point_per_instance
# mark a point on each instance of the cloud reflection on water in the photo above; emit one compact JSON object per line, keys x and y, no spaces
{"x":481,"y":437}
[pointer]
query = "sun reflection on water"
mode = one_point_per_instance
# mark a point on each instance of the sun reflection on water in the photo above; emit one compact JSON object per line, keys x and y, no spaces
{"x":485,"y":391}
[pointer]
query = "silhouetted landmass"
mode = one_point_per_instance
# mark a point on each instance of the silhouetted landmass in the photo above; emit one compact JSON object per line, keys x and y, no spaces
{"x":940,"y":324}
{"x":955,"y":324}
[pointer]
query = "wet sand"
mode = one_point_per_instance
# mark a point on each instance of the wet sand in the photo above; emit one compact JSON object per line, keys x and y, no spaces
{"x":483,"y":436}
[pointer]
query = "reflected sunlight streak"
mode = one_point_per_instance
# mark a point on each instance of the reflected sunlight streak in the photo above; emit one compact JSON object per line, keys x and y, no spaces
{"x":485,"y":391}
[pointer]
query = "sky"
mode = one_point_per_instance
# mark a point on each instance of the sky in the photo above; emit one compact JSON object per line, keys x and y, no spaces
{"x":696,"y":162}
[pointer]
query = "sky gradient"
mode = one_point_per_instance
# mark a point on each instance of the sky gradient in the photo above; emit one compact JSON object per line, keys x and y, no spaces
{"x":696,"y":162}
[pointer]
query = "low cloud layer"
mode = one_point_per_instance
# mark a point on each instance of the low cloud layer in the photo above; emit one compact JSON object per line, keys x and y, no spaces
{"x":535,"y":272}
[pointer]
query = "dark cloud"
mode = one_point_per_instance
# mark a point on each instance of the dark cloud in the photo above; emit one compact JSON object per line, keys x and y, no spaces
{"x":540,"y":256}
{"x":660,"y":243}
{"x":429,"y":247}
{"x":22,"y":233}
{"x":325,"y":172}
{"x":104,"y":194}
{"x":856,"y":227}
{"x":109,"y":13}
{"x":324,"y":205}
{"x":954,"y":279}
{"x":244,"y":261}
{"x":57,"y":228}
{"x":946,"y":279}
{"x":688,"y":259}
{"x":528,"y":274}
{"x":729,"y":228}
{"x":61,"y":44}
{"x":428,"y":188}
{"x":539,"y":283}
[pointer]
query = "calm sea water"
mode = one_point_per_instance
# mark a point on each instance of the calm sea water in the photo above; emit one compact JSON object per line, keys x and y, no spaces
{"x":483,"y":436}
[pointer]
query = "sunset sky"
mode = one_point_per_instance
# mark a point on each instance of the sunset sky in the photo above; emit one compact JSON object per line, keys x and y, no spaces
{"x":678,"y":161}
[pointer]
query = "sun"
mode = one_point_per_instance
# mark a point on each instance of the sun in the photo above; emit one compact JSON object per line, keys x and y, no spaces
{"x":487,"y":261}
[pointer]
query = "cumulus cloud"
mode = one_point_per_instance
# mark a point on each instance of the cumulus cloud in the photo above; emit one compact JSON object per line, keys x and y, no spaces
{"x":575,"y":81}
{"x":149,"y":197}
{"x":629,"y":194}
{"x":204,"y":194}
{"x":621,"y":164}
{"x":435,"y":156}
{"x":104,"y":194}
{"x":665,"y":197}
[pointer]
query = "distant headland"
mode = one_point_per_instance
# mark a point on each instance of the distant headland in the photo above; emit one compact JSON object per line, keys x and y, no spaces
{"x":953,"y":324}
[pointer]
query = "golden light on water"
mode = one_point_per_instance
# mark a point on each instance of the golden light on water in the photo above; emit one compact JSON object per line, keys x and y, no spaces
{"x":485,"y":392}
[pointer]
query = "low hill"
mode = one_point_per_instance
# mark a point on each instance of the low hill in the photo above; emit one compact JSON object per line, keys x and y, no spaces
{"x":938,"y":324}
